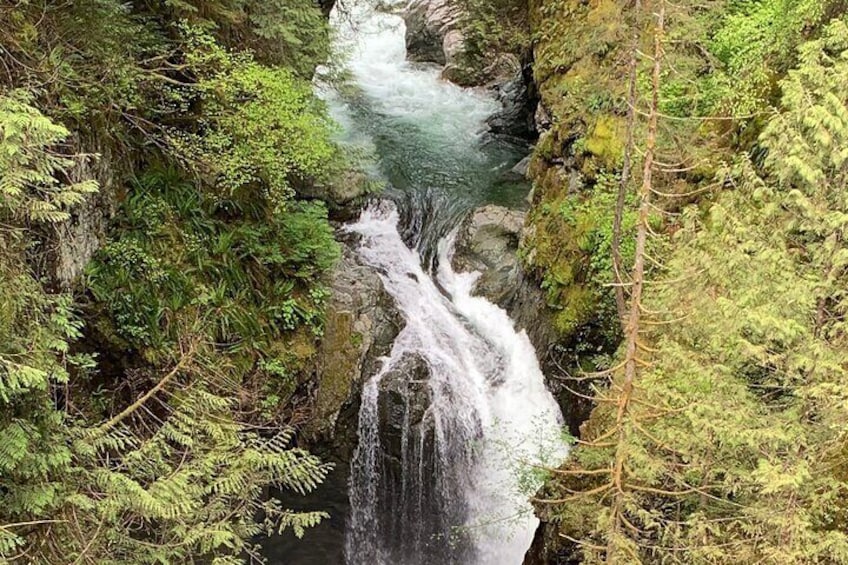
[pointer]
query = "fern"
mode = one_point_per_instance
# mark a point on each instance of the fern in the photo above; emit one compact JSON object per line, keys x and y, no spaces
{"x":30,"y":167}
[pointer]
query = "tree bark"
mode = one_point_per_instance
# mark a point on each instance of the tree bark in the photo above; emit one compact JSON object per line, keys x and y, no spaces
{"x":617,"y":262}
{"x":634,"y":317}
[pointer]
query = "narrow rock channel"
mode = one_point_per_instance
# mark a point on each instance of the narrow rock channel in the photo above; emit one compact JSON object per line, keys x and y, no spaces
{"x":454,"y":413}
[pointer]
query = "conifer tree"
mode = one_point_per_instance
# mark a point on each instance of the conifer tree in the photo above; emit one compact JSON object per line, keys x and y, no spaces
{"x":731,"y":445}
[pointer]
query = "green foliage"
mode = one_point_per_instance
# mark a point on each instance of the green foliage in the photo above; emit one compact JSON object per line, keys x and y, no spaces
{"x":204,"y":306}
{"x":491,"y":28}
{"x":177,"y":258}
{"x":735,"y":440}
{"x":806,"y":143}
{"x":572,"y":244}
{"x":757,"y":43}
{"x":35,"y":326}
{"x":261,"y":128}
{"x":280,"y":33}
{"x":194,"y":484}
{"x":30,"y":164}
{"x":92,"y":74}
{"x":291,"y":32}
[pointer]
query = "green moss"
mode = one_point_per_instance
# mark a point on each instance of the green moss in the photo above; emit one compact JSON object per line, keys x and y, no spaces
{"x":579,"y":304}
{"x":340,"y":353}
{"x":582,"y":84}
{"x":606,"y":140}
{"x":545,"y":146}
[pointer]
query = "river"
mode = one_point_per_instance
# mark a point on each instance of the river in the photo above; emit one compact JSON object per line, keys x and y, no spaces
{"x":454,"y":487}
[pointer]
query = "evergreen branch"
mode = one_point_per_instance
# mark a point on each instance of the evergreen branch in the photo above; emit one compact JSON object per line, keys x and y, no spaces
{"x":582,"y":543}
{"x":184,"y":360}
{"x":30,"y":523}
{"x":583,"y":494}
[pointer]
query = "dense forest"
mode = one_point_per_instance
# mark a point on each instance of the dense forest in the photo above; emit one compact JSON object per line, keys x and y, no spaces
{"x":146,"y":382}
{"x":172,"y":189}
{"x":708,"y":139}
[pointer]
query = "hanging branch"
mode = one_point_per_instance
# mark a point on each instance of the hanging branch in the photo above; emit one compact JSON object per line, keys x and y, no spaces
{"x":185,"y":358}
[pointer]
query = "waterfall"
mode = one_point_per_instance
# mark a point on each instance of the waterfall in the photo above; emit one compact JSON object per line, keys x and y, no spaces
{"x":453,"y":494}
{"x":450,"y":427}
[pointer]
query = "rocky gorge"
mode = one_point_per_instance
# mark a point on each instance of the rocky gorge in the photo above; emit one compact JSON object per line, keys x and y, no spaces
{"x":313,"y":281}
{"x":239,"y":272}
{"x":362,"y":318}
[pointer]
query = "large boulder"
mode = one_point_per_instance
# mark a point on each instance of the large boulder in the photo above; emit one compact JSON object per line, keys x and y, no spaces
{"x":343,"y":195}
{"x":362,"y":323}
{"x":431,"y":26}
{"x":404,"y":399}
{"x":453,"y":46}
{"x":488,"y":242}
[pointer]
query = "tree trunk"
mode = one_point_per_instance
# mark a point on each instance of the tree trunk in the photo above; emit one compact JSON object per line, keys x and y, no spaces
{"x":634,"y":318}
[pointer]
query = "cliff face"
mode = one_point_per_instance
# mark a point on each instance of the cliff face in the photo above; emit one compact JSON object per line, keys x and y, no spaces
{"x":580,"y":73}
{"x":362,"y":323}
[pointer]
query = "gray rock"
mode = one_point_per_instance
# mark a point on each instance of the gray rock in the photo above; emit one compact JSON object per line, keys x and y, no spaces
{"x":362,"y":323}
{"x":431,"y":31}
{"x":404,"y":399}
{"x":453,"y":46}
{"x":522,"y":167}
{"x":433,"y":35}
{"x":515,"y":92}
{"x":488,"y":242}
{"x":343,"y":195}
{"x":542,"y":118}
{"x":72,"y":244}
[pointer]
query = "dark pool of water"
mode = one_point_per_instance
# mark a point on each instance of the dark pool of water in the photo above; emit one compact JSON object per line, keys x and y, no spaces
{"x":323,"y":544}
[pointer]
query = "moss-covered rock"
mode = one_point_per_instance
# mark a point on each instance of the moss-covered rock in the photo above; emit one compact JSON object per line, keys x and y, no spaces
{"x":581,"y":78}
{"x":361,"y":324}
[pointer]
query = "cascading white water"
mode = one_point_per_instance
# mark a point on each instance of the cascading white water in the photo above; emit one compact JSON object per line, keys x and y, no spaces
{"x":373,"y":43}
{"x":489,"y":413}
{"x":450,"y":427}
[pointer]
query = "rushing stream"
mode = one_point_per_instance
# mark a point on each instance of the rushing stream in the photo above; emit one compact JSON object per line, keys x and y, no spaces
{"x":427,"y":133}
{"x":452,"y":486}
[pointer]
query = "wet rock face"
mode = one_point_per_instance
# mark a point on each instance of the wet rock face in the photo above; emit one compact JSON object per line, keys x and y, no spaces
{"x":488,"y":242}
{"x":420,"y":500}
{"x":362,"y":323}
{"x":548,"y":548}
{"x":516,"y":92}
{"x":431,"y":34}
{"x":404,"y":399}
{"x":326,"y":6}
